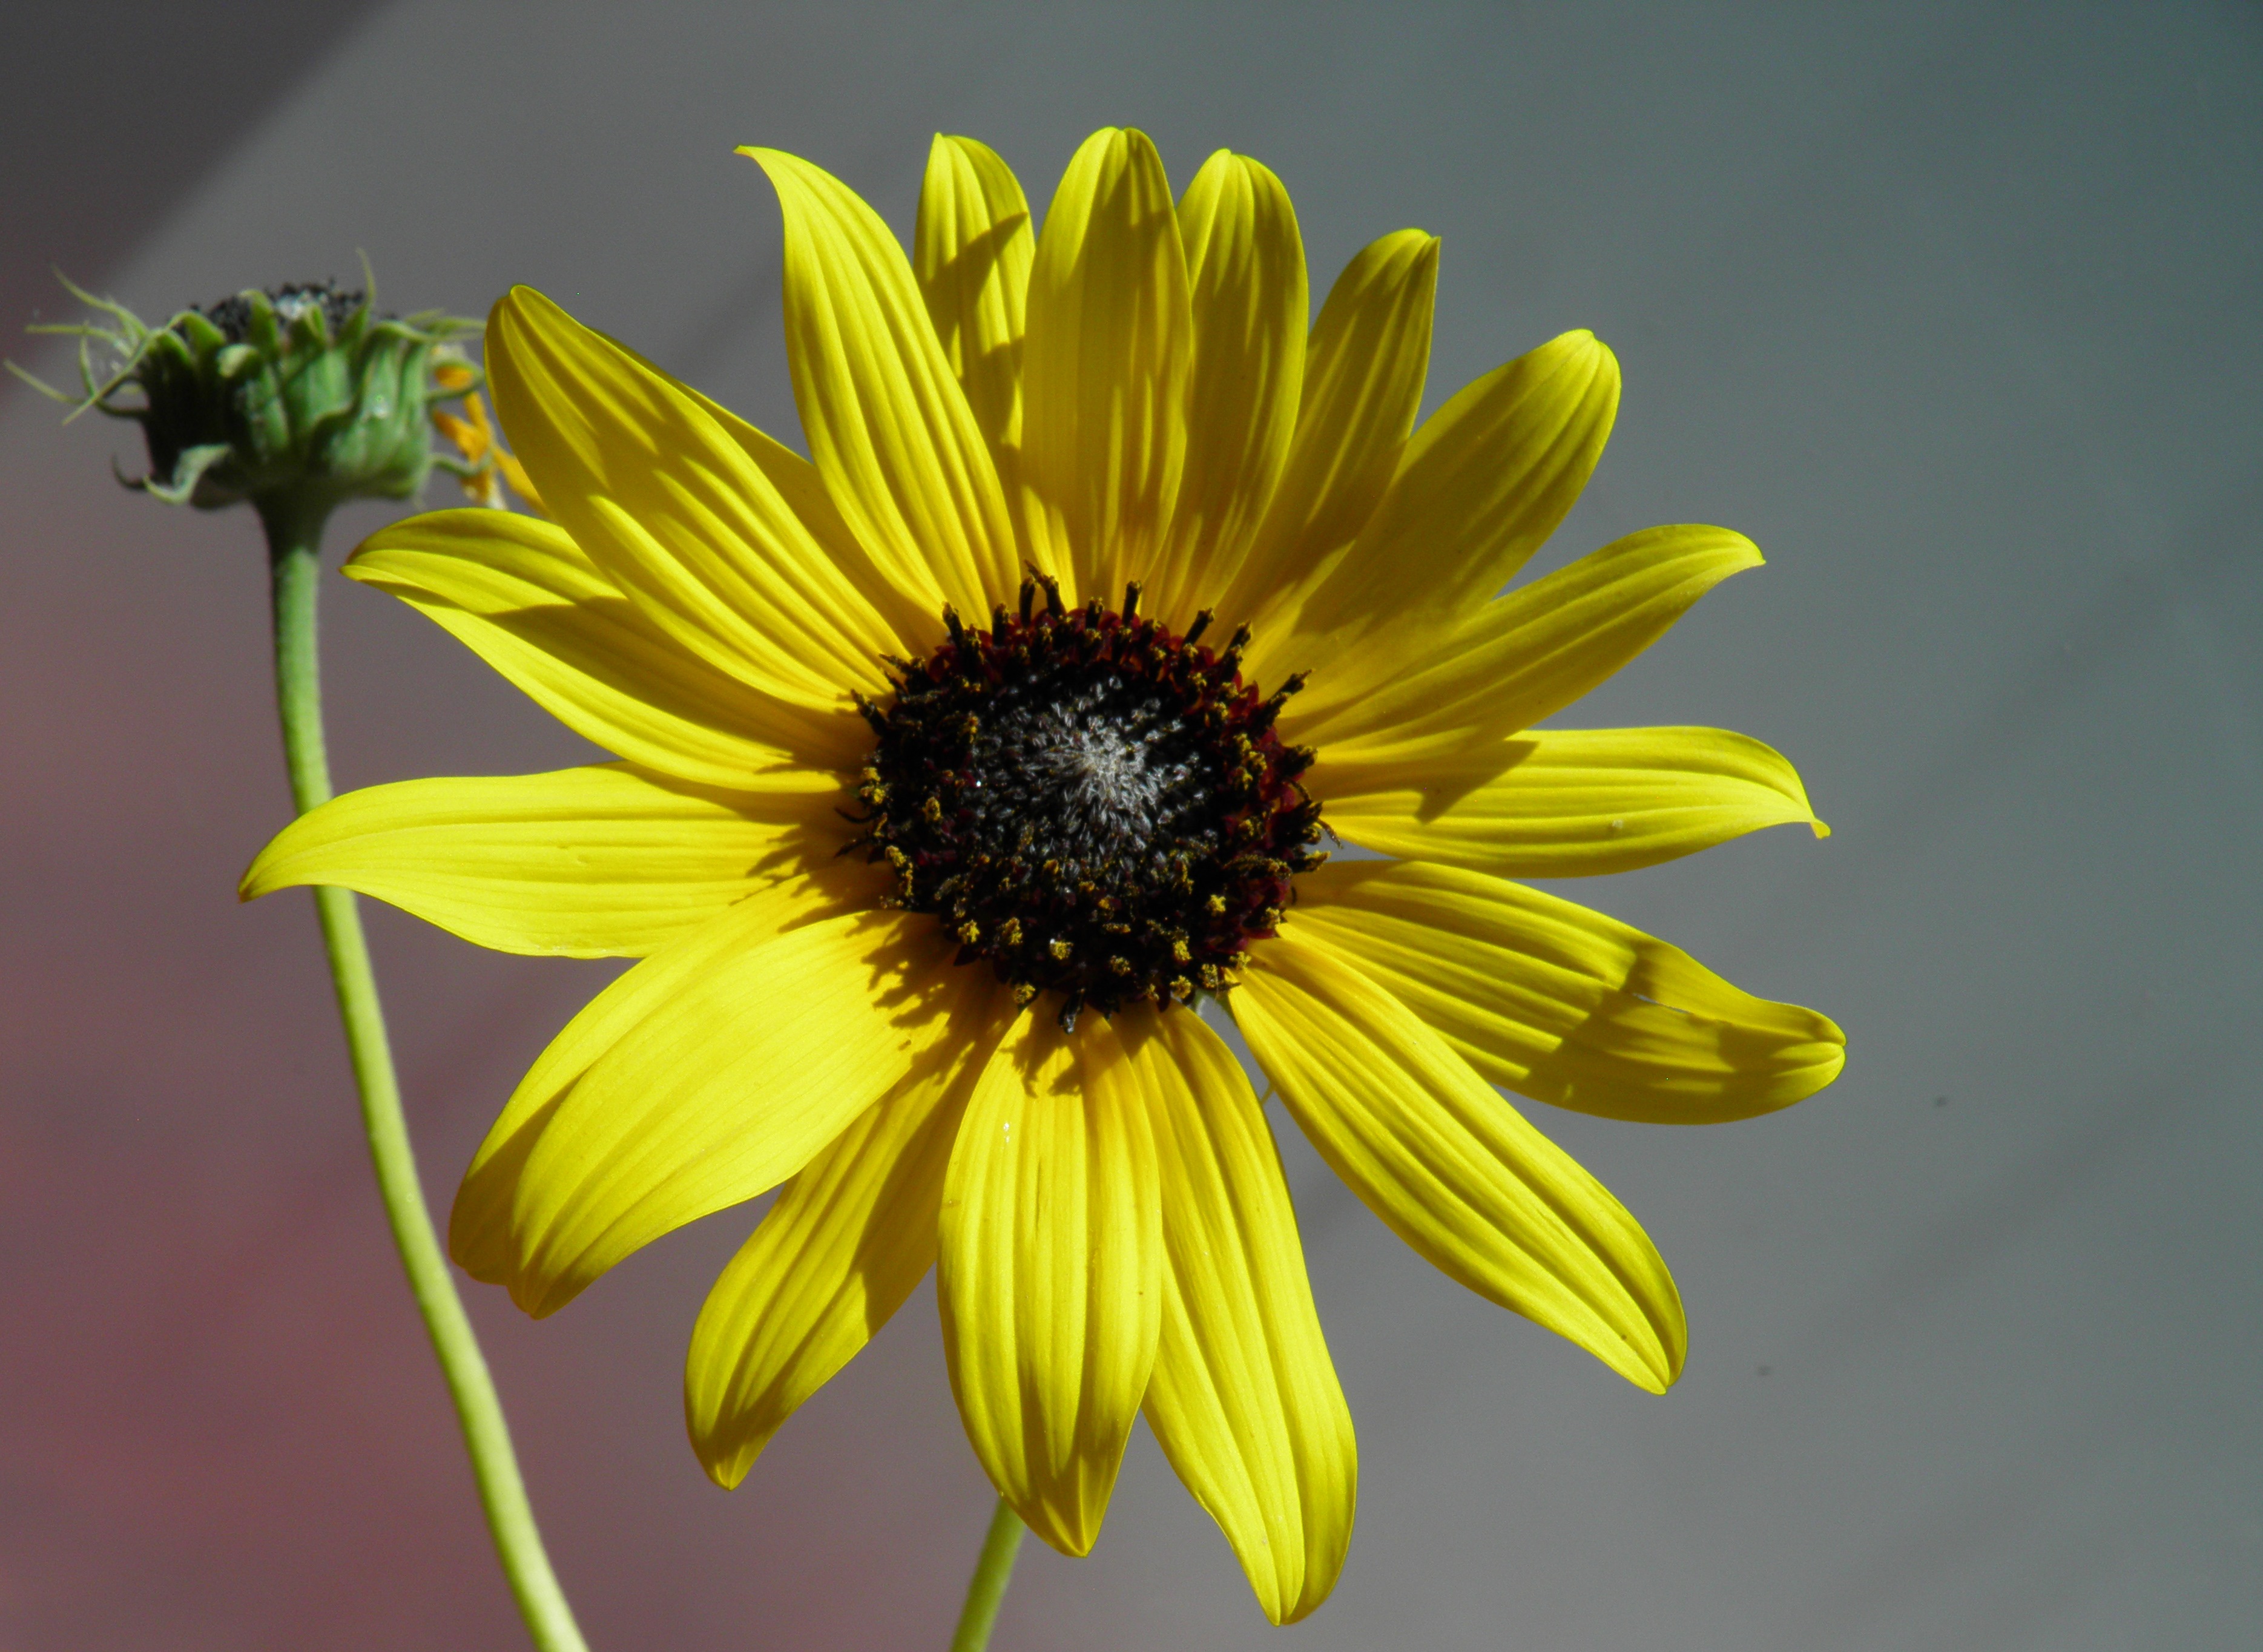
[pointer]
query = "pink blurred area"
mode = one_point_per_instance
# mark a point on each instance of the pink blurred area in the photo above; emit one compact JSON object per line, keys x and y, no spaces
{"x":225,"y":1391}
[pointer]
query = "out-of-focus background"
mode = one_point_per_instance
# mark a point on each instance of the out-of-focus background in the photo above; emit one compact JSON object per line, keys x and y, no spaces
{"x":1957,"y":308}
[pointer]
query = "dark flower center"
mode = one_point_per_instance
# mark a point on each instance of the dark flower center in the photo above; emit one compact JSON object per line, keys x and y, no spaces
{"x":1100,"y":808}
{"x":233,"y":314}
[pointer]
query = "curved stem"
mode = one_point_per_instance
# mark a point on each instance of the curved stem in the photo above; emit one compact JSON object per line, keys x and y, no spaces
{"x":985,"y":1590}
{"x":293,"y":541}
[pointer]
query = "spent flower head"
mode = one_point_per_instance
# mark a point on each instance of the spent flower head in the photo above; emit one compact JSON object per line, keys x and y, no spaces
{"x":300,"y":393}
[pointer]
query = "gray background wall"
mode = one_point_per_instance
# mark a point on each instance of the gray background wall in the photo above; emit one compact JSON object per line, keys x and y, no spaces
{"x":1954,"y":307}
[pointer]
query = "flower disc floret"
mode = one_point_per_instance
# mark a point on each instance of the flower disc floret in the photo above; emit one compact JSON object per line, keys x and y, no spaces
{"x":1101,"y":808}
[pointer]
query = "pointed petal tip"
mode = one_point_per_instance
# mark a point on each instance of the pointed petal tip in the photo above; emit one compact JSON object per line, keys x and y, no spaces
{"x":402,"y":533}
{"x":1580,"y":351}
{"x":1060,"y":1530}
{"x":782,"y":168}
{"x":261,"y":877}
{"x":1820,"y":828}
{"x":539,"y":1298}
{"x":777,"y":162}
{"x":534,"y":1290}
{"x":727,"y":1469}
{"x":1655,"y":1370}
{"x":1826,"y":1072}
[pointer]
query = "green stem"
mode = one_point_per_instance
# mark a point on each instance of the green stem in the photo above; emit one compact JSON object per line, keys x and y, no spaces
{"x":293,"y":542}
{"x":985,"y":1590}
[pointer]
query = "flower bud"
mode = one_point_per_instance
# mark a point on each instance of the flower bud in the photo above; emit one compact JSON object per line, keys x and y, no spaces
{"x":301,"y":397}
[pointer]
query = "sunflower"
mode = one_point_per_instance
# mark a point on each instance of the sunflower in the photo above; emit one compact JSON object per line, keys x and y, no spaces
{"x":965,"y":767}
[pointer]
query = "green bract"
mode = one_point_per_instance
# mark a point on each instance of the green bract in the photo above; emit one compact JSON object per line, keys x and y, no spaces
{"x":297,"y":394}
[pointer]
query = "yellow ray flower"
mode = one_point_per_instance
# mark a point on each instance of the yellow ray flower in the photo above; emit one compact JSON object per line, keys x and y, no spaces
{"x":487,"y":464}
{"x":941,"y":797}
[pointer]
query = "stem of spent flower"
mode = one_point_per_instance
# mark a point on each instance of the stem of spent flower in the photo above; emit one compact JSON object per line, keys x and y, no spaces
{"x":985,"y":1590}
{"x":294,"y":534}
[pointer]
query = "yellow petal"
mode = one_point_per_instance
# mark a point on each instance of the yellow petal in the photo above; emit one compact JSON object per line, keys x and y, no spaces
{"x":972,"y":250}
{"x":1485,"y":481}
{"x":470,"y":438}
{"x":914,"y":617}
{"x":888,"y":426}
{"x":668,"y":504}
{"x":1569,"y":802}
{"x":1050,"y":1272}
{"x":838,"y":1253}
{"x":1245,"y":1400}
{"x":723,"y":1090}
{"x":1452,"y":1167}
{"x":1519,"y":659}
{"x":1563,"y":1004}
{"x":1363,"y":382}
{"x":479,"y":1237}
{"x":1246,"y":267}
{"x":522,"y":596}
{"x":604,"y":862}
{"x":520,"y":482}
{"x":1105,"y":368}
